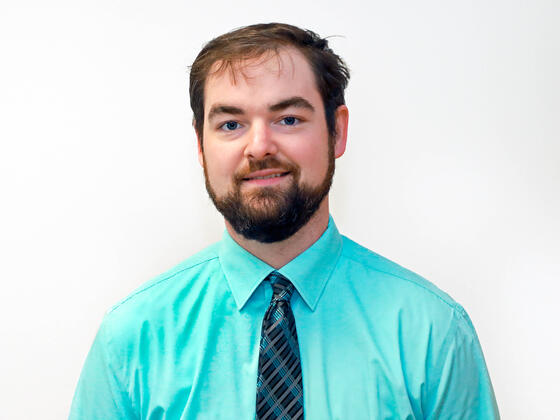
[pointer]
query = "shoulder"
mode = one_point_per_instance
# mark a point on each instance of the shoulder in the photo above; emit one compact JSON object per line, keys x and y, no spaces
{"x":190,"y":276}
{"x":408,"y":290}
{"x":391,"y":294}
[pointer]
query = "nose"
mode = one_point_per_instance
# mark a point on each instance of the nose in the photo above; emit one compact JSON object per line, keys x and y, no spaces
{"x":260,"y":141}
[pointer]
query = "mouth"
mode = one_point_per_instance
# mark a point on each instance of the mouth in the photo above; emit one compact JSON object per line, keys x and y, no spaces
{"x":266,"y":177}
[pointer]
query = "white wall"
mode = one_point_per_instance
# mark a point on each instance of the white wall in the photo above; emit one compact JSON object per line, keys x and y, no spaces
{"x":452,"y":169}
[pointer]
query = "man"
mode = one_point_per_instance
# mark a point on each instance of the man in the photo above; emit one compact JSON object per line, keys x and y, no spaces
{"x":284,"y":318}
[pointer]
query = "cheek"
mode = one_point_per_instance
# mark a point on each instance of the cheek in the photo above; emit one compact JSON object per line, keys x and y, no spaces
{"x":312,"y":160}
{"x":221,"y":164}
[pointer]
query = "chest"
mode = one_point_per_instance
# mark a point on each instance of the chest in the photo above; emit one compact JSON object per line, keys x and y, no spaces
{"x":210,"y":371}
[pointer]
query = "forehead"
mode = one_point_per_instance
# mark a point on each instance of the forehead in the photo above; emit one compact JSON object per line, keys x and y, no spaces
{"x":265,"y":79}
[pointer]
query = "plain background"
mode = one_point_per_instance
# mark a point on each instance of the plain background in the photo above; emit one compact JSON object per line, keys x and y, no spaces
{"x":452,"y":169}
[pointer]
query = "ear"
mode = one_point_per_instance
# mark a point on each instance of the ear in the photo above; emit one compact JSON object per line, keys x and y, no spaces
{"x":341,"y":121}
{"x":198,"y":145}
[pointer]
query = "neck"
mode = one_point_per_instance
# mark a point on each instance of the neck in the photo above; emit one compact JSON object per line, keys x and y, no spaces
{"x":278,"y":254}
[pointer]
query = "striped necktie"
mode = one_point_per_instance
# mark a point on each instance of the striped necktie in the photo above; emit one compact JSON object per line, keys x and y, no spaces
{"x":279,"y":383}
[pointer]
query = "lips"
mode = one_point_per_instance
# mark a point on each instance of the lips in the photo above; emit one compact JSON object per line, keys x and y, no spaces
{"x":265,"y":174}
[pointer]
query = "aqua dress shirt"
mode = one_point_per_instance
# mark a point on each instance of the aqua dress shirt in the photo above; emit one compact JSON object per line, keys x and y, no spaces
{"x":376,"y":341}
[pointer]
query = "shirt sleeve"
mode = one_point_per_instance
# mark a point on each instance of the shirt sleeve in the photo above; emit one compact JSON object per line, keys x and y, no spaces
{"x":462,"y":387}
{"x":100,"y":392}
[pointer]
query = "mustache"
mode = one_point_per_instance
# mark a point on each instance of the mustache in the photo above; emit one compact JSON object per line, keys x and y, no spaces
{"x":267,"y":163}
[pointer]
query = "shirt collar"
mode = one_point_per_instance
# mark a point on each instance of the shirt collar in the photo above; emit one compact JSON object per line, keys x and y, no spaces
{"x":309,"y":272}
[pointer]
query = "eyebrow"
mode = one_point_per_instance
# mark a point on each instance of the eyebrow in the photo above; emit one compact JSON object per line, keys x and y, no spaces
{"x":223,"y":109}
{"x":295,"y":101}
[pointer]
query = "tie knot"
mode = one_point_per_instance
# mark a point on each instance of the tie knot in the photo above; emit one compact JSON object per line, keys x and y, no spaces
{"x":282,"y":288}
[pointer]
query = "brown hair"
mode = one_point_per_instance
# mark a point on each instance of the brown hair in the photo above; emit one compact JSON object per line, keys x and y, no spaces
{"x":331,"y":73}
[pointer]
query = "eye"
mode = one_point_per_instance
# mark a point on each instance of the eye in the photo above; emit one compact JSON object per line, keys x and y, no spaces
{"x":230,"y":126}
{"x":289,"y":121}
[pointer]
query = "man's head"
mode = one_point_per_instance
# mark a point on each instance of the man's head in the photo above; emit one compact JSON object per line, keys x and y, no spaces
{"x":262,"y":101}
{"x":256,"y":41}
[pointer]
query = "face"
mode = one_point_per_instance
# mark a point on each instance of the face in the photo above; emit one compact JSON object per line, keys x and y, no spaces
{"x":268,"y":160}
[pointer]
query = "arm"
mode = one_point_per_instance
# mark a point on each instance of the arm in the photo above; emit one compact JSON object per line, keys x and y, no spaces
{"x":100,"y":394}
{"x":461,"y":387}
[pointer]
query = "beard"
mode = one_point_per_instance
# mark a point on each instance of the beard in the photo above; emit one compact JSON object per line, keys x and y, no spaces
{"x":271,"y":214}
